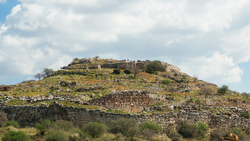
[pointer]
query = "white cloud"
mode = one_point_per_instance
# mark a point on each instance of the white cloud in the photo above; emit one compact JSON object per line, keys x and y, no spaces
{"x":3,"y":1}
{"x":218,"y":68}
{"x":49,"y":33}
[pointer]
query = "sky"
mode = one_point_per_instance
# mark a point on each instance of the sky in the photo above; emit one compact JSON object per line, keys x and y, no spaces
{"x":207,"y":39}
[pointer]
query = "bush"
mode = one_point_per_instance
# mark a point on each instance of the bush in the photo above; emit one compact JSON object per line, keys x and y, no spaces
{"x":151,"y":126}
{"x":11,"y":123}
{"x":193,"y":131}
{"x":126,"y":126}
{"x":3,"y":118}
{"x":216,"y":135}
{"x":222,"y":90}
{"x":57,"y":136}
{"x":166,"y":81}
{"x":127,"y":71}
{"x":202,"y":129}
{"x":188,"y":130}
{"x":117,"y":71}
{"x":172,"y":134}
{"x":42,"y":127}
{"x":245,"y":115}
{"x":154,"y":66}
{"x":237,"y":131}
{"x":94,"y":129}
{"x":15,"y":136}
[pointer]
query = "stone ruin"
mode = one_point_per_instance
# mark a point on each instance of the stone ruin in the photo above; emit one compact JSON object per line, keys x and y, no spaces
{"x":121,"y":65}
{"x":128,"y":101}
{"x":29,"y":115}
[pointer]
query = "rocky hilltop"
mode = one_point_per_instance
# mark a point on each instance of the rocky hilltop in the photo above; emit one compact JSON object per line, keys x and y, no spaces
{"x":120,"y":88}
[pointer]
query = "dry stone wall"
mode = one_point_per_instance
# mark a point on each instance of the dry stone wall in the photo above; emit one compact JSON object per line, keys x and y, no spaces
{"x":129,"y":101}
{"x":29,"y":115}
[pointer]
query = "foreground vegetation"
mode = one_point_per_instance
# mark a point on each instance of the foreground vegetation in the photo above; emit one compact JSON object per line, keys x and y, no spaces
{"x":117,"y":130}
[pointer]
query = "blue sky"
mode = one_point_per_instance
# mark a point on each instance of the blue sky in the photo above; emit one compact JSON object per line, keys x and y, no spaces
{"x":208,"y":39}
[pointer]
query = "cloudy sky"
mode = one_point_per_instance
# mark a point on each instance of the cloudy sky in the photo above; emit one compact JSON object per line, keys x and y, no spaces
{"x":208,"y":39}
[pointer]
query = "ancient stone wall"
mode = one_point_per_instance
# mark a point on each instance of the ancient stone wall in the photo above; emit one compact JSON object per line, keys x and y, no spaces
{"x":129,"y":101}
{"x":29,"y":115}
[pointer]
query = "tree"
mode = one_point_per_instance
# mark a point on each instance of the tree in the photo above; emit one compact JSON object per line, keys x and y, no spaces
{"x":154,"y":66}
{"x":223,"y":89}
{"x":75,"y":59}
{"x":47,"y":72}
{"x":39,"y":76}
{"x":205,"y":91}
{"x":97,"y":57}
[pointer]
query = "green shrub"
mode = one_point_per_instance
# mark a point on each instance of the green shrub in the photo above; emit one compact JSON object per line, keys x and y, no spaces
{"x":15,"y":136}
{"x":222,"y":90}
{"x":237,"y":131}
{"x":245,"y":115}
{"x":42,"y":127}
{"x":57,"y":136}
{"x":11,"y":123}
{"x":94,"y":129}
{"x":117,"y":71}
{"x":154,"y":66}
{"x":151,"y":126}
{"x":202,"y":129}
{"x":188,"y":130}
{"x":127,"y":71}
{"x":126,"y":126}
{"x":166,"y":81}
{"x":216,"y":135}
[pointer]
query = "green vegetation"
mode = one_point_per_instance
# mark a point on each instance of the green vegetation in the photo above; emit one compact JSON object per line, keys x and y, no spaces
{"x":236,"y":130}
{"x":94,"y":129}
{"x":57,"y":136}
{"x":126,"y":127}
{"x":42,"y":127}
{"x":188,"y":130}
{"x":11,"y":123}
{"x":15,"y":136}
{"x":151,"y":126}
{"x":154,"y":66}
{"x":245,"y":115}
{"x":127,"y":71}
{"x":117,"y":71}
{"x":166,"y":81}
{"x":223,"y":89}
